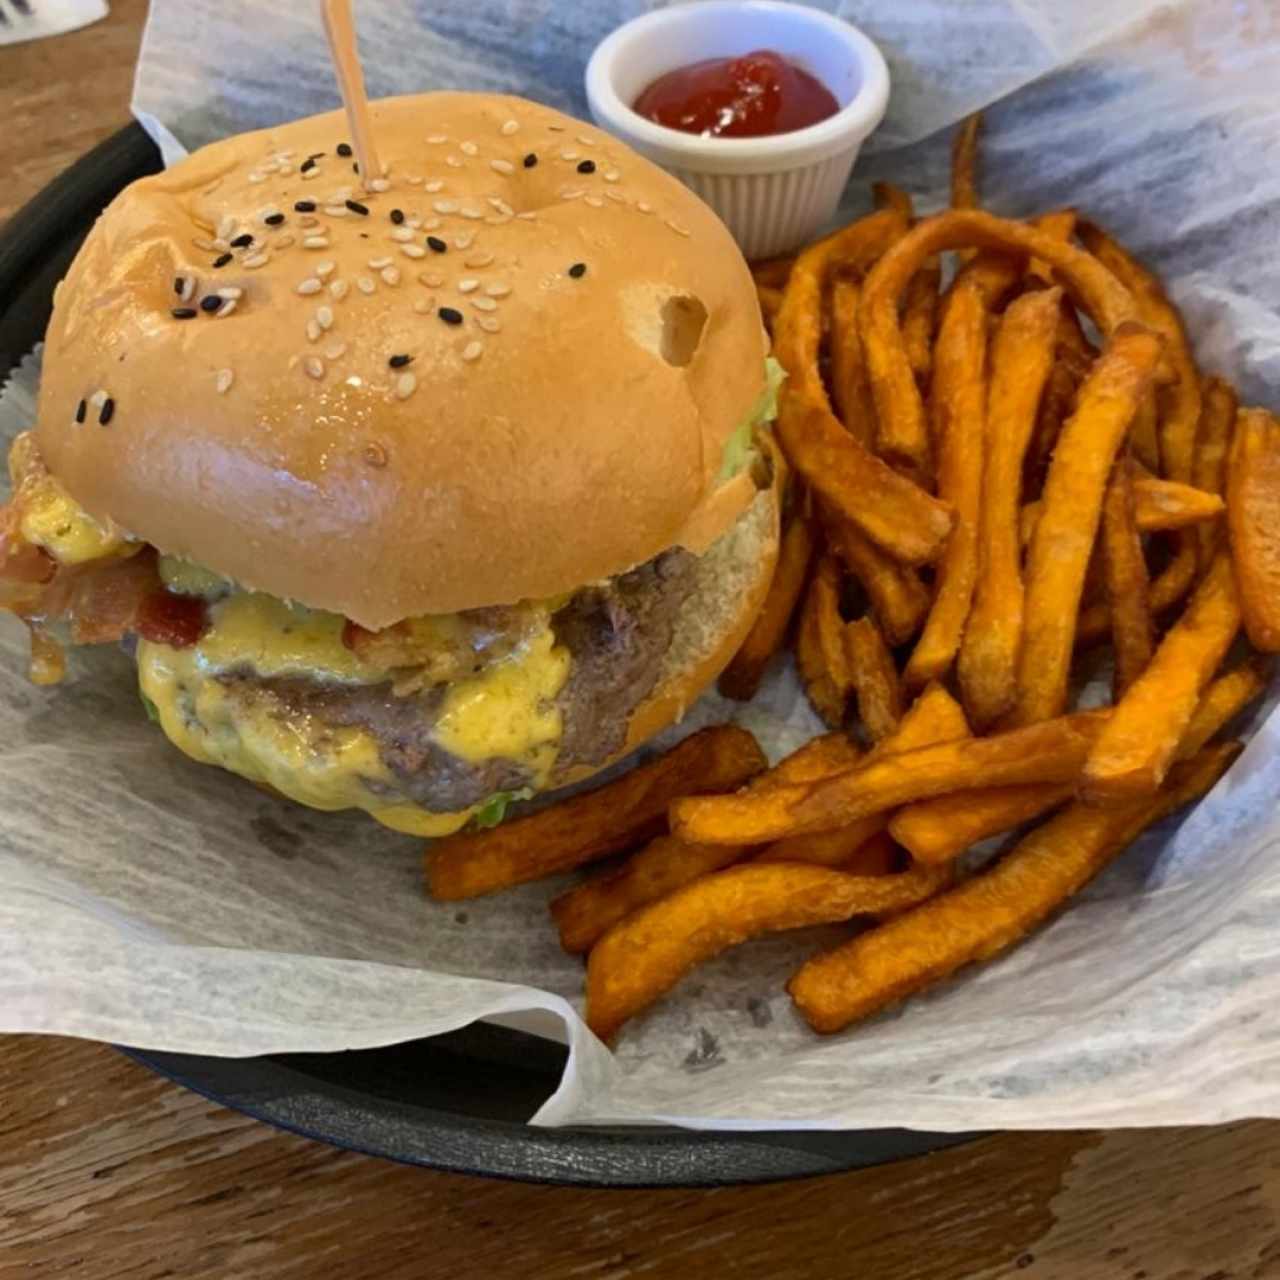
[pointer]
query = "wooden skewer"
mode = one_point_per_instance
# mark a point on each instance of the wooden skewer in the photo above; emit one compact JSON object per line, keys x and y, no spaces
{"x":341,"y":34}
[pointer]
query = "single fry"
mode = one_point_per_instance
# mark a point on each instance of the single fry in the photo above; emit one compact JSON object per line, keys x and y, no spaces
{"x":964,"y":163}
{"x":874,"y":674}
{"x":1217,"y":425}
{"x":1179,"y":403}
{"x":1049,"y":751}
{"x":934,"y":717}
{"x":593,"y":824}
{"x":887,"y":196}
{"x":988,"y":913}
{"x":1169,"y":587}
{"x":1158,"y":507}
{"x":1021,"y":359}
{"x":1141,"y":738}
{"x":1222,"y":701}
{"x":1124,"y":567}
{"x":820,"y":757}
{"x":879,"y":856}
{"x":641,"y":959}
{"x":1070,"y":511}
{"x":1253,"y":520}
{"x":773,"y":272}
{"x":938,"y":831}
{"x":900,"y":417}
{"x":898,"y":598}
{"x":849,"y":386}
{"x":920,"y":317}
{"x":958,"y":407}
{"x":1059,"y":223}
{"x":768,"y":634}
{"x":820,"y":652}
{"x":770,"y":303}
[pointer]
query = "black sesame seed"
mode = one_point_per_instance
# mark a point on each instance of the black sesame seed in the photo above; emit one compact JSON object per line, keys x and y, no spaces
{"x":397,"y":216}
{"x":80,"y":410}
{"x":222,"y":259}
{"x":343,"y":149}
{"x":210,"y":302}
{"x":578,"y":270}
{"x":355,"y":167}
{"x":436,"y":245}
{"x":242,"y":241}
{"x":399,"y":362}
{"x":356,"y":207}
{"x":449,"y":315}
{"x":183,"y":313}
{"x":587,"y":166}
{"x":316,"y":155}
{"x":304,"y":206}
{"x":107,"y":411}
{"x":178,"y":283}
{"x":274,"y":219}
{"x":530,"y":160}
{"x":307,"y":165}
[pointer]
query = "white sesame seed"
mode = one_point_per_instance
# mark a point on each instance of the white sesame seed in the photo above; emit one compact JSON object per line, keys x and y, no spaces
{"x":496,"y":220}
{"x":325,"y":269}
{"x":402,"y":234}
{"x":222,"y":383}
{"x":527,"y":216}
{"x":436,"y":138}
{"x":413,"y":223}
{"x":556,"y":128}
{"x":256,"y":178}
{"x":308,"y":174}
{"x":315,"y":242}
{"x":230,"y":292}
{"x":612,"y":193}
{"x":336,"y":210}
{"x":256,"y":260}
{"x":324,"y":318}
{"x":423,"y":307}
{"x":313,"y":366}
{"x":313,"y":330}
{"x":283,"y":242}
{"x":468,"y":285}
{"x":338,"y":290}
{"x":570,"y":193}
{"x":335,"y":351}
{"x":472,"y":350}
{"x":226,"y":309}
{"x":431,"y":224}
{"x":201,"y":242}
{"x":490,"y":324}
{"x":226,"y":227}
{"x":594,"y":201}
{"x":445,"y":206}
{"x":379,"y":185}
{"x":502,"y":166}
{"x":308,"y":220}
{"x":611,"y":175}
{"x":479,"y":260}
{"x":676,"y":227}
{"x":269,"y":212}
{"x":337,"y":197}
{"x":98,"y":399}
{"x":568,"y":155}
{"x":468,"y":148}
{"x":220,"y":244}
{"x":463,"y":240}
{"x":470,"y":211}
{"x":376,"y":264}
{"x":406,"y":384}
{"x":508,"y":128}
{"x":413,"y":251}
{"x":644,"y":206}
{"x":498,"y":289}
{"x":484,"y":304}
{"x":390,"y":275}
{"x":434,"y":185}
{"x":432,"y":279}
{"x":309,"y":285}
{"x":188,"y":290}
{"x":287,"y":169}
{"x":586,"y":142}
{"x":453,"y":162}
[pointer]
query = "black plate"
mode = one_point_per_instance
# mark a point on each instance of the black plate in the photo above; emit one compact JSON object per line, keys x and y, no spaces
{"x":458,"y":1101}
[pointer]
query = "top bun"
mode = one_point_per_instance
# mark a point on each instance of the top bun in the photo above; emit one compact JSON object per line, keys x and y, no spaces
{"x":568,"y":424}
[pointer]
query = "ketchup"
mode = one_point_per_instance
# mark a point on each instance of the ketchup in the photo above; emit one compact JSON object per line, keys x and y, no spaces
{"x":757,"y":94}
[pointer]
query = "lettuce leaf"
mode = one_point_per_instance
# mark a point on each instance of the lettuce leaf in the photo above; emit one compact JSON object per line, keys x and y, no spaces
{"x":741,"y":444}
{"x":494,"y":809}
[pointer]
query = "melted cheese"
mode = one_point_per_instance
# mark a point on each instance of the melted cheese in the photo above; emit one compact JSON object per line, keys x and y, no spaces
{"x":189,"y":579}
{"x":507,"y":710}
{"x":54,"y":520}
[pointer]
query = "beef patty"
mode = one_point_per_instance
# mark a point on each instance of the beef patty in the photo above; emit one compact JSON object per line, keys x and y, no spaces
{"x":617,"y":635}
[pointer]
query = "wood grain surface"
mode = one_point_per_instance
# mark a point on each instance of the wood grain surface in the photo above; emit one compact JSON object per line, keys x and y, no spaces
{"x":107,"y":1171}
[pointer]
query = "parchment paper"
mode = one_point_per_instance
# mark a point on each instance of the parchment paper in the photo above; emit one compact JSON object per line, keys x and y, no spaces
{"x":148,"y":900}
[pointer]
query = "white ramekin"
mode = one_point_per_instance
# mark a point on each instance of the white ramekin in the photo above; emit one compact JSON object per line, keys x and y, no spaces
{"x":773,"y":193}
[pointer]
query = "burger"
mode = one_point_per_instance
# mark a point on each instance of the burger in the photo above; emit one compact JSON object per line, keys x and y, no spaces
{"x":413,"y":493}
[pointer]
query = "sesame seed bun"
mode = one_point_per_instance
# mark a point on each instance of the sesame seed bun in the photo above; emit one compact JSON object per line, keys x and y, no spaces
{"x":572,"y":378}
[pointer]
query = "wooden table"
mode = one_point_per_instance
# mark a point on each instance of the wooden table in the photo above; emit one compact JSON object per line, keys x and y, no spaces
{"x":107,"y":1171}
